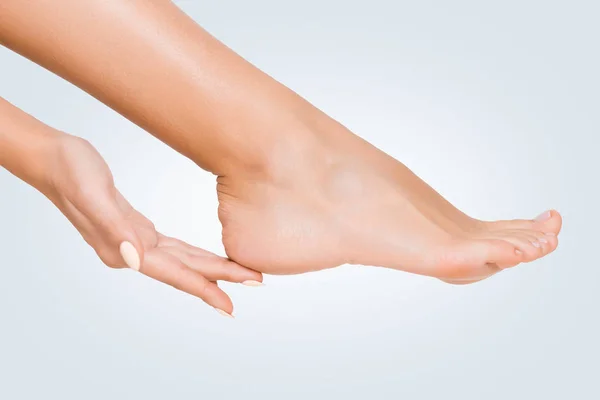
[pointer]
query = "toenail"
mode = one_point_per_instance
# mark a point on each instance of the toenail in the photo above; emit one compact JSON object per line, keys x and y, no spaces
{"x":542,"y":240}
{"x":550,"y":234}
{"x":518,"y":252}
{"x":536,"y":244}
{"x":544,"y":217}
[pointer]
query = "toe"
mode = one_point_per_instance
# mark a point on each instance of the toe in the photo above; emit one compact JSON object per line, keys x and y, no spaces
{"x":476,"y":259}
{"x":547,"y":241}
{"x":534,"y":244}
{"x":547,"y":222}
{"x":522,"y":241}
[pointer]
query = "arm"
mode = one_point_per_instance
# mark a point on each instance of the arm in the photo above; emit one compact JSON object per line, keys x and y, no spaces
{"x":71,"y":173}
{"x":24,"y":145}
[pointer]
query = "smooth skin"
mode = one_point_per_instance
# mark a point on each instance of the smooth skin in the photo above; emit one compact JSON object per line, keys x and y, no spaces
{"x":298,"y":191}
{"x":73,"y":175}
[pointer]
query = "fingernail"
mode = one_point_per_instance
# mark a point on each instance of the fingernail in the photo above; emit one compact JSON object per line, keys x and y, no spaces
{"x":253,"y":283}
{"x":544,"y":217}
{"x":542,"y":240}
{"x":130,"y":255}
{"x":223,"y":313}
{"x":536,"y":244}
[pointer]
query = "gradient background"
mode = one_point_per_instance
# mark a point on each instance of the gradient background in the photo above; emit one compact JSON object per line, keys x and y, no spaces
{"x":496,"y":105}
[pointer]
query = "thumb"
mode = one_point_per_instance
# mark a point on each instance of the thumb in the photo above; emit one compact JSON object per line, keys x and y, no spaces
{"x":121,"y":242}
{"x":120,"y":230}
{"x":116,"y":242}
{"x":131,"y":246}
{"x":132,"y":251}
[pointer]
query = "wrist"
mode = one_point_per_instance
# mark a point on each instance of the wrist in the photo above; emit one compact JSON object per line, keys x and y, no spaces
{"x":29,"y":155}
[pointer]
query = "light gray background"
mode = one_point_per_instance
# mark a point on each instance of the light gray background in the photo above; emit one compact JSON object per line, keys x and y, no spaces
{"x":494,"y":103}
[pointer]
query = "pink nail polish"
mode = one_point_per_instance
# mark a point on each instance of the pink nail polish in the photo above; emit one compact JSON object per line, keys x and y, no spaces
{"x":224,"y":313}
{"x":544,"y":217}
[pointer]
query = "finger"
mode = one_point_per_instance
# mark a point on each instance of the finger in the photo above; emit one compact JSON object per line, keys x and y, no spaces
{"x":166,"y":241}
{"x":215,"y":268}
{"x":168,"y":269}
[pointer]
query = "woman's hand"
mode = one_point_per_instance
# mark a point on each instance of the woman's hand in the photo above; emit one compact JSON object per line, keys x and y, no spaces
{"x":80,"y":184}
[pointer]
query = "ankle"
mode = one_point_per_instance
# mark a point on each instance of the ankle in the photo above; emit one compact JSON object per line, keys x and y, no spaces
{"x":289,"y":156}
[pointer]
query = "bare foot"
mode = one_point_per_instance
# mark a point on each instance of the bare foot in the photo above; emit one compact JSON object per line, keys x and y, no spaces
{"x":331,"y":198}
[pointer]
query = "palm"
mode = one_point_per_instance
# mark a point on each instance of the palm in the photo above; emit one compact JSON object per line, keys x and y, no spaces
{"x":84,"y":191}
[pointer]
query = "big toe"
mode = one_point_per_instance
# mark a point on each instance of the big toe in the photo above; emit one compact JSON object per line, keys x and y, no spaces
{"x":549,"y":222}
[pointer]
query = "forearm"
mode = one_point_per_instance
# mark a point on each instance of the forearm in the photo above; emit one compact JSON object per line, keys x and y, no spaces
{"x":156,"y":66}
{"x":25,"y":144}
